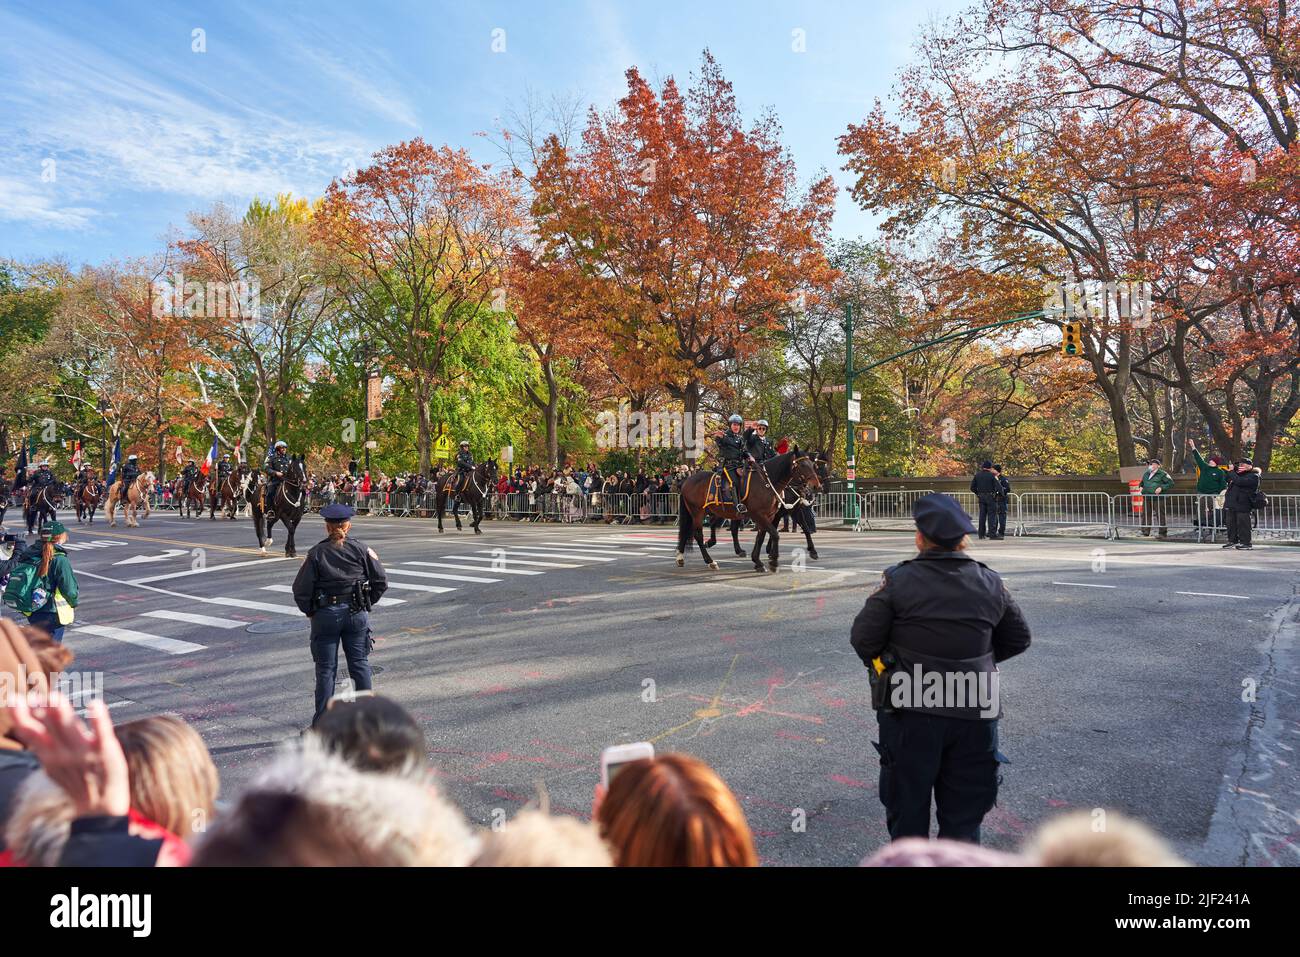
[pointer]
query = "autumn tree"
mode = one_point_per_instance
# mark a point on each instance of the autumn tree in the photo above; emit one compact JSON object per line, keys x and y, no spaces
{"x":690,"y":224}
{"x":416,"y":244}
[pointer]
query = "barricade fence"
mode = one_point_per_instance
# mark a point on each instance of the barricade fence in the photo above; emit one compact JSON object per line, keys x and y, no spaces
{"x":1190,"y":517}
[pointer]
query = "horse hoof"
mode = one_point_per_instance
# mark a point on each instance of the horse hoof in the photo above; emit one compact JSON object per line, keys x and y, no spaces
{"x":478,"y":531}
{"x":812,"y":555}
{"x":715,"y":566}
{"x":771,"y":566}
{"x":760,"y":569}
{"x":740,"y":551}
{"x":681,"y":560}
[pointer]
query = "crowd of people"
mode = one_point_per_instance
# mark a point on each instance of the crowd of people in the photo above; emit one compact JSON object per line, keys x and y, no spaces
{"x":359,"y":790}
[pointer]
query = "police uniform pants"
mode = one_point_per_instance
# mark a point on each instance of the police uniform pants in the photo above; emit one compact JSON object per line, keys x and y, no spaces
{"x":988,"y":516}
{"x":330,"y":625}
{"x":1002,"y":517}
{"x":954,"y":759}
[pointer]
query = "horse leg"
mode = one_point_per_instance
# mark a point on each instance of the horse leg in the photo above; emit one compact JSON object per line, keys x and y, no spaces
{"x":704,"y":551}
{"x":455,"y":513}
{"x":478,"y":516}
{"x":685,"y":526}
{"x":768,"y":528}
{"x":735,"y":538}
{"x":760,"y":535}
{"x":289,"y":550}
{"x":714,"y":522}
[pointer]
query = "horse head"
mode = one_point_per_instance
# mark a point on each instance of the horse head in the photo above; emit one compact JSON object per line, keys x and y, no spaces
{"x":803,"y":471}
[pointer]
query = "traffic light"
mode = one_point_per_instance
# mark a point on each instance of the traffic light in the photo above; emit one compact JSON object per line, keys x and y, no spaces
{"x":1072,"y":339}
{"x":870,"y":434}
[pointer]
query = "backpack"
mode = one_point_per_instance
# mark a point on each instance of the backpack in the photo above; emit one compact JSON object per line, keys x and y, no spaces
{"x":25,"y":587}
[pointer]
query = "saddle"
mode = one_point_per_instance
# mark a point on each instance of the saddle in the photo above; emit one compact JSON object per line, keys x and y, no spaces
{"x":713,"y":496}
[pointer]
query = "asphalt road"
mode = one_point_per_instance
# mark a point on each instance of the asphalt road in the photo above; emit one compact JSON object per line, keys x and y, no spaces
{"x":526,"y":650}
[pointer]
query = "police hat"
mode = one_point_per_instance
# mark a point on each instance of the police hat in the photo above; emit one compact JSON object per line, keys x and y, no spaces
{"x":940,"y":519}
{"x":337,"y":512}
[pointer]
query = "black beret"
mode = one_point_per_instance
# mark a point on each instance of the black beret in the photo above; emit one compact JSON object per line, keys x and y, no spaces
{"x":940,"y":519}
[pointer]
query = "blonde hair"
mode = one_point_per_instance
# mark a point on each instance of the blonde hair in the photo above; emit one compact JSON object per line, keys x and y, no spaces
{"x":337,"y":531}
{"x":537,"y":839}
{"x":1073,"y":840}
{"x":173,"y":780}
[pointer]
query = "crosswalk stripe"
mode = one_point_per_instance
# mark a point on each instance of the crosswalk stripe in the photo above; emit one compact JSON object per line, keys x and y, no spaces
{"x":194,"y":619}
{"x":513,"y":561}
{"x":169,"y":646}
{"x":470,"y":568}
{"x":411,"y":586}
{"x":288,"y":589}
{"x":442,"y":575}
{"x":254,"y":605}
{"x":204,"y":569}
{"x":557,"y":553}
{"x":608,"y":548}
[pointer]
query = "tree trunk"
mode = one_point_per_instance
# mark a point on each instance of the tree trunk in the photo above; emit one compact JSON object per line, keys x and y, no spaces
{"x":425,"y":438}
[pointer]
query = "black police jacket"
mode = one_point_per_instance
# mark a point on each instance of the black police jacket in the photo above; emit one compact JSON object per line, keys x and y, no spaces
{"x":758,"y":446}
{"x":333,"y":570}
{"x":985,"y":483}
{"x":278,"y":462}
{"x":731,"y":447}
{"x":130,"y":473}
{"x":465,"y":460}
{"x":945,"y":613}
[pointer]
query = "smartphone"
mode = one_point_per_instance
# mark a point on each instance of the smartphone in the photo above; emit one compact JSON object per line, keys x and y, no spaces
{"x":612,"y":759}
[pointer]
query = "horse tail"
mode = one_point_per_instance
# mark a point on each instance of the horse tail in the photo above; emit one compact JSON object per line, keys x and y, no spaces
{"x":685,"y":524}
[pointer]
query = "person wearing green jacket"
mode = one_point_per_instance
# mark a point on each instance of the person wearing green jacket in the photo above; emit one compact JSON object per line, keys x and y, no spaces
{"x":1211,"y":480}
{"x":1155,"y":483}
{"x":54,"y":569}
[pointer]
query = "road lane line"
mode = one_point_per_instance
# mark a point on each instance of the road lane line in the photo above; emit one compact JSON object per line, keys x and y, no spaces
{"x":193,"y":619}
{"x":513,"y":561}
{"x":1084,"y":585}
{"x":471,"y":568}
{"x":442,"y":575}
{"x":170,"y":646}
{"x":554,"y":553}
{"x":1209,"y":594}
{"x":204,"y":570}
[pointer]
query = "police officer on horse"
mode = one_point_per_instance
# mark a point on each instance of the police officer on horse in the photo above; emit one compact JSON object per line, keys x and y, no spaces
{"x":734,"y":452}
{"x":464,"y":465}
{"x":130,"y":472}
{"x":335,"y":588}
{"x":277,"y":466}
{"x":757,"y":444}
{"x":188,"y":474}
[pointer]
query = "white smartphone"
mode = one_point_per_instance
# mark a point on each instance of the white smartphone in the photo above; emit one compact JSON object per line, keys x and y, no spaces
{"x":613,"y":758}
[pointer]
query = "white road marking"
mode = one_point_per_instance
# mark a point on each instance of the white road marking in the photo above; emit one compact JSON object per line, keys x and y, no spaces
{"x":157,"y":642}
{"x":194,"y":619}
{"x":556,"y":553}
{"x":513,"y":561}
{"x":254,"y":605}
{"x":1084,"y":585}
{"x":443,"y":576}
{"x":410,"y":586}
{"x":143,"y":559}
{"x":471,"y":568}
{"x":205,"y":569}
{"x":1209,"y":594}
{"x":614,"y":549}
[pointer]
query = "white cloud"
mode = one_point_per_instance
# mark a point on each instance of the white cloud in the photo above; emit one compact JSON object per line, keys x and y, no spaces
{"x":25,"y":201}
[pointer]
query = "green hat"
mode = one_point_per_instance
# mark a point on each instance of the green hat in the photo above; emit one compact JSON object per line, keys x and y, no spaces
{"x":51,"y":530}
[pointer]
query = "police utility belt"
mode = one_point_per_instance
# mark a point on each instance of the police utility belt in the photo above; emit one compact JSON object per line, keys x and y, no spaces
{"x":356,"y":596}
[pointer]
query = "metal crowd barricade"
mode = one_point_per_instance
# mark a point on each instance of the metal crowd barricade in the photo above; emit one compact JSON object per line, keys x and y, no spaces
{"x":663,"y":506}
{"x":1180,"y":514}
{"x":1066,"y":512}
{"x":891,"y":509}
{"x":970,"y":504}
{"x":1280,"y":521}
{"x":617,"y":507}
{"x":835,"y":507}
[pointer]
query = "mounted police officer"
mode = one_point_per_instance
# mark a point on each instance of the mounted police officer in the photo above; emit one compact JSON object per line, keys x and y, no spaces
{"x":756,"y":442}
{"x":277,"y":467}
{"x":44,"y":478}
{"x":188,"y":474}
{"x":931,"y":635}
{"x":224,"y":468}
{"x":335,"y":589}
{"x":732,"y":448}
{"x":464,"y":465}
{"x":130,"y":472}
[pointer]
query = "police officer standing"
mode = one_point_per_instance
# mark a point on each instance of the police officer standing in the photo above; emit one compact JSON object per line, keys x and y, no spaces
{"x":335,"y":588}
{"x":931,"y":636}
{"x":988,"y":490}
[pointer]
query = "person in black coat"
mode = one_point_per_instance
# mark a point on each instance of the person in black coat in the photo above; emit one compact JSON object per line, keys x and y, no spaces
{"x":931,"y":635}
{"x":1243,"y":484}
{"x":988,"y":490}
{"x":1003,"y":500}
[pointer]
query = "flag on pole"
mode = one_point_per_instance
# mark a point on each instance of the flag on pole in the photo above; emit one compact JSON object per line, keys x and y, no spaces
{"x":238,"y":455}
{"x":117,"y":460}
{"x":180,"y":452}
{"x":211,"y":461}
{"x":76,"y":457}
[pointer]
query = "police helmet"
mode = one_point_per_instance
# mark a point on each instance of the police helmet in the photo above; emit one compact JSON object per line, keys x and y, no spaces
{"x":282,"y":444}
{"x":131,"y":458}
{"x":464,"y":445}
{"x":762,"y":423}
{"x":734,"y":419}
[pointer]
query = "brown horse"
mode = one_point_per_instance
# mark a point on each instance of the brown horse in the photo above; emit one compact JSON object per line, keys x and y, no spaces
{"x":760,"y":491}
{"x":88,"y":499}
{"x":196,"y":496}
{"x":136,"y":497}
{"x":227,"y":494}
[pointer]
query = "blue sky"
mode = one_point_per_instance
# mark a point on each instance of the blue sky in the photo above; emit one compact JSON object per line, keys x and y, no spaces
{"x":112,"y":128}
